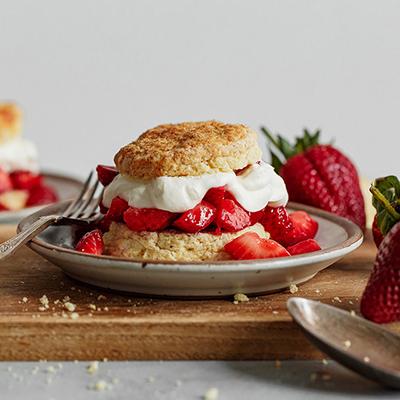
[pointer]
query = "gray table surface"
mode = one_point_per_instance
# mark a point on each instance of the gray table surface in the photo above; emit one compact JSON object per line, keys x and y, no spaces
{"x":185,"y":380}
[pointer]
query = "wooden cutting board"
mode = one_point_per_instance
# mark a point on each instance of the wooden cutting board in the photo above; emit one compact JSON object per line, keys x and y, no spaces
{"x":126,"y":327}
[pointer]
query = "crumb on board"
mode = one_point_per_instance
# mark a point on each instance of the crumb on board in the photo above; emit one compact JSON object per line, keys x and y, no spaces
{"x":100,"y":385}
{"x":367,"y":359}
{"x":69,"y":306}
{"x":44,"y":301}
{"x":240,"y":298}
{"x":293,"y":288}
{"x":347,"y":344}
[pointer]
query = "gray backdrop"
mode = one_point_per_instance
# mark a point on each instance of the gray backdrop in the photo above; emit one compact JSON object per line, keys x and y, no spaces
{"x":91,"y":75}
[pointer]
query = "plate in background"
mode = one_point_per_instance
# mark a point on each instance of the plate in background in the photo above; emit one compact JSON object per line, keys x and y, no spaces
{"x":66,"y":188}
{"x":337,"y":237}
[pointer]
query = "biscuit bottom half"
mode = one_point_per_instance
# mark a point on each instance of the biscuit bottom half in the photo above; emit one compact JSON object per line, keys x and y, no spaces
{"x":120,"y":241}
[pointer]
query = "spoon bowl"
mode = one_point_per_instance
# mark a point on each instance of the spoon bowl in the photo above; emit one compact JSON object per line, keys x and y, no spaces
{"x":358,"y":344}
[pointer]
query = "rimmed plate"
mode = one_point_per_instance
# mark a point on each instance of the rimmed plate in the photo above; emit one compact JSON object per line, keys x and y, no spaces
{"x":337,"y":237}
{"x":65,"y":186}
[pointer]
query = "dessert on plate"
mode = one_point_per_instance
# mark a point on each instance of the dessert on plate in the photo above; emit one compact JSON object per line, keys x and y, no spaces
{"x":21,"y":184}
{"x":196,"y":191}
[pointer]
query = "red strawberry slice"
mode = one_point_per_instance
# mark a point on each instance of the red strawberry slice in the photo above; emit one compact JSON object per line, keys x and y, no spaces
{"x":381,"y":299}
{"x":231,"y":217}
{"x":304,"y":227}
{"x":250,"y":246}
{"x":25,"y":180}
{"x":117,"y":208}
{"x":106,"y":174}
{"x":215,"y":195}
{"x":256,"y":216}
{"x":147,"y":219}
{"x":91,"y":243}
{"x":40,"y":195}
{"x":277,"y":222}
{"x":306,"y":246}
{"x":5,"y":181}
{"x":196,"y":219}
{"x":115,"y":213}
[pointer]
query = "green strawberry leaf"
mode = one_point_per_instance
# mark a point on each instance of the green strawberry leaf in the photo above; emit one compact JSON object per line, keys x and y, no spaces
{"x":386,"y":200}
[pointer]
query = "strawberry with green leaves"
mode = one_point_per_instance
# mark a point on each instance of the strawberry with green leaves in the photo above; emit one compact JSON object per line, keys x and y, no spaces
{"x":386,"y":200}
{"x":318,"y":175}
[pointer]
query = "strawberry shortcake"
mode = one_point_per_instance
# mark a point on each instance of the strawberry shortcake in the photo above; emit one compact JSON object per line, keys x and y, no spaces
{"x":196,"y":191}
{"x":21,"y":184}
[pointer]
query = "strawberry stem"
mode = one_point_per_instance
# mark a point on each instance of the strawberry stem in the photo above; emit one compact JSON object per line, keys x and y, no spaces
{"x":385,"y":202}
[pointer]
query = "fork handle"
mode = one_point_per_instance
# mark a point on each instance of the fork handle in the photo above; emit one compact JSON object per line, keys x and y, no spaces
{"x":11,"y":245}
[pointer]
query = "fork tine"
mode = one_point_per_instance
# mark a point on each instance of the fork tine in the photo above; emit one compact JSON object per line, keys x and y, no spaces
{"x":87,"y":198}
{"x":76,"y":202}
{"x":93,"y":205}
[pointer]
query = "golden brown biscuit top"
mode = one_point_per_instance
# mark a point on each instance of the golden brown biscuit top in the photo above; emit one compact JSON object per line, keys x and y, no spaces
{"x":189,"y":149}
{"x":10,"y":121}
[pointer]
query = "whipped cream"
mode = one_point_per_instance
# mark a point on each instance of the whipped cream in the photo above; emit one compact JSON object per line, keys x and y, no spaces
{"x":18,"y":154}
{"x":256,"y":187}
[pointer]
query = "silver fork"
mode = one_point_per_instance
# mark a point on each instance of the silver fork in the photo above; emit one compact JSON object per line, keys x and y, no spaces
{"x":82,"y":210}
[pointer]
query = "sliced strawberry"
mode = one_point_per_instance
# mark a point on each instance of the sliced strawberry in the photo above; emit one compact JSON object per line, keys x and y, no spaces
{"x":91,"y":243}
{"x":196,"y":219}
{"x":106,"y":174}
{"x":250,"y":246}
{"x":277,"y":222}
{"x":306,"y":246}
{"x":117,"y":208}
{"x":147,"y":219}
{"x":231,"y":217}
{"x":115,"y":213}
{"x":256,"y":216}
{"x":25,"y":180}
{"x":215,"y":195}
{"x":42,"y":194}
{"x":5,"y":181}
{"x":304,"y":227}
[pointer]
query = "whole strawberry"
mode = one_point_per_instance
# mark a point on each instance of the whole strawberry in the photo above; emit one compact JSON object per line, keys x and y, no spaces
{"x":381,"y":299}
{"x":318,"y":175}
{"x":386,"y":200}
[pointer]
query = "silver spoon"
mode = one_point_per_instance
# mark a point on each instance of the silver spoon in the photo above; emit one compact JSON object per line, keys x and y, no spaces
{"x":360,"y":345}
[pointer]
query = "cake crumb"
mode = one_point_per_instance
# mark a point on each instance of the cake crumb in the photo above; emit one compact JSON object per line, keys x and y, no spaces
{"x":353,"y":313}
{"x":324,"y":361}
{"x":101,"y":297}
{"x":100,"y":386}
{"x":347,"y":344}
{"x":211,"y":394}
{"x":293,"y":288}
{"x":240,"y":298}
{"x":275,"y":312}
{"x":44,"y":301}
{"x":367,"y":359}
{"x":93,"y":367}
{"x":74,"y":315}
{"x":24,"y":299}
{"x":336,"y":298}
{"x":92,"y":307}
{"x":70,"y":306}
{"x":41,"y":308}
{"x":66,"y":299}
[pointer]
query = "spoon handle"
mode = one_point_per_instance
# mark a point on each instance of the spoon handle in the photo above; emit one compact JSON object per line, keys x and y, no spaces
{"x":11,"y":245}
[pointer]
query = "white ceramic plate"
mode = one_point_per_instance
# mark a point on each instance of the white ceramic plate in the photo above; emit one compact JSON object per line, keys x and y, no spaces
{"x":66,"y":188}
{"x":337,"y":237}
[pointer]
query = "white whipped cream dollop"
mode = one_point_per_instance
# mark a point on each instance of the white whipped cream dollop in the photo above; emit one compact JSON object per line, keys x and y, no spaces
{"x":18,"y":154}
{"x":256,"y":187}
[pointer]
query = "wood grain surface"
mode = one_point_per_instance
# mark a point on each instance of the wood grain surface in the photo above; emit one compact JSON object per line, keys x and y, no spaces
{"x":126,"y":327}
